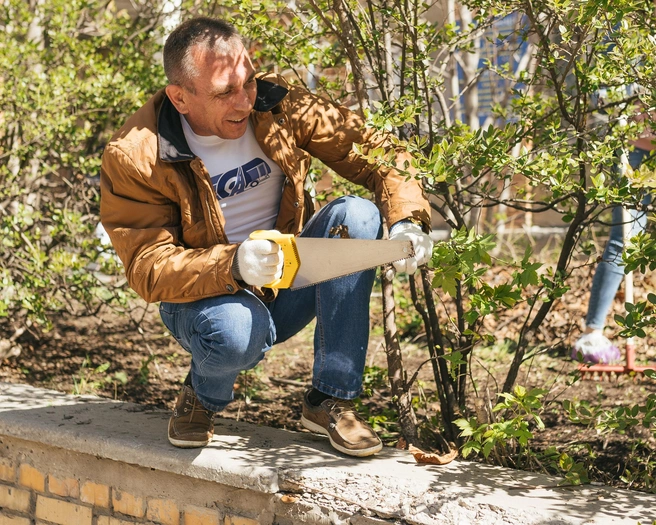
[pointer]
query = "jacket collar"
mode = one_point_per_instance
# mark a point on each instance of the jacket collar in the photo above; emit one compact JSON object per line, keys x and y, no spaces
{"x":173,"y":146}
{"x":269,"y":95}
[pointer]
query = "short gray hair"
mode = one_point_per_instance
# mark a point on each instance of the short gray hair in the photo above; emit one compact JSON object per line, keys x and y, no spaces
{"x":211,"y":33}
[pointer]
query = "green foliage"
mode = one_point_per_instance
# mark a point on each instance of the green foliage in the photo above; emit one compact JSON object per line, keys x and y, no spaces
{"x":574,"y":472}
{"x":552,"y":144}
{"x":144,"y":368}
{"x":65,"y":90}
{"x":619,"y":419}
{"x":639,"y":467}
{"x":508,"y":439}
{"x":91,"y":380}
{"x":640,"y":253}
{"x":250,"y":384}
{"x":639,"y":316}
{"x":458,"y":259}
{"x":374,"y":378}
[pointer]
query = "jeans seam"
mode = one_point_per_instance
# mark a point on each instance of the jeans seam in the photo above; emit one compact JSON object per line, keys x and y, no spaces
{"x":320,"y":329}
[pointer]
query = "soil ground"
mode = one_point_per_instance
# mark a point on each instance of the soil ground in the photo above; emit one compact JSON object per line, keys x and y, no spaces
{"x":133,"y":358}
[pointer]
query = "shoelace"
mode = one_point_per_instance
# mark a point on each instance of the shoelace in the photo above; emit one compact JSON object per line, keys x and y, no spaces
{"x":339,"y":407}
{"x":194,"y":403}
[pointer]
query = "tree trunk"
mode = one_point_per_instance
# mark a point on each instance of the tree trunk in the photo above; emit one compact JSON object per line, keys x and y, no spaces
{"x":395,"y":370}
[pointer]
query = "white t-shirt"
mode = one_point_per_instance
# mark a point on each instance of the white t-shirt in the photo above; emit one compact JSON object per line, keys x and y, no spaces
{"x":248,"y":184}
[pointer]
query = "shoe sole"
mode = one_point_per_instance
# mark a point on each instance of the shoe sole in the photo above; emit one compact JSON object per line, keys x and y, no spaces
{"x":313,"y":427}
{"x":187,"y":444}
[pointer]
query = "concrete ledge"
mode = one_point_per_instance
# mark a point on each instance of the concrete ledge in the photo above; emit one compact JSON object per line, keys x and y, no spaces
{"x":327,"y":487}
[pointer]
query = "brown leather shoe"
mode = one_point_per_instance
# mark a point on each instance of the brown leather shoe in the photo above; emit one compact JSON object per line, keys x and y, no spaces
{"x":346,"y":430}
{"x":191,"y":424}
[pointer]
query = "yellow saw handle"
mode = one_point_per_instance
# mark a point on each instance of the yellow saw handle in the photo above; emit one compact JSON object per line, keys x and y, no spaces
{"x":291,"y":262}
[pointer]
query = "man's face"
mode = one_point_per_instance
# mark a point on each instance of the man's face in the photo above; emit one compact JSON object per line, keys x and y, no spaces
{"x":225,"y":91}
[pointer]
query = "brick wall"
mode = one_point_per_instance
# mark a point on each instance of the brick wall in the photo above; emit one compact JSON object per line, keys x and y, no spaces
{"x":48,"y":486}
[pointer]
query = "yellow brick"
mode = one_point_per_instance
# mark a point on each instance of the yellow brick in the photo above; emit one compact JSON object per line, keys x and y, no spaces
{"x":7,"y":470}
{"x":239,"y":520}
{"x":95,"y":494}
{"x":126,"y":503}
{"x":200,"y":516}
{"x":163,"y":511}
{"x":102,"y":520}
{"x":67,"y":488}
{"x":31,"y":478}
{"x":62,"y":512}
{"x":13,"y":520}
{"x":14,"y":499}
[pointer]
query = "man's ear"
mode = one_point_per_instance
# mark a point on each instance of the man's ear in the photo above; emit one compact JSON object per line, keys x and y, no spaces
{"x":177,"y":96}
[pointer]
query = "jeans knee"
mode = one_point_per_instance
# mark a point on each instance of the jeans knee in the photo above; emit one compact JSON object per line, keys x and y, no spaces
{"x":360,"y":215}
{"x":234,"y":342}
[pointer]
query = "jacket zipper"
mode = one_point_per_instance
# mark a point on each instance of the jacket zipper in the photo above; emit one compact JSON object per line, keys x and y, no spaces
{"x":212,"y":214}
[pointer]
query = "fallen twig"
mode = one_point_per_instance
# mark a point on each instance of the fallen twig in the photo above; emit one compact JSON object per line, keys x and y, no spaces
{"x":280,"y":381}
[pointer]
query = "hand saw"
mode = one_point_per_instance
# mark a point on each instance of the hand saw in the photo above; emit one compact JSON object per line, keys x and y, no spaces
{"x":312,"y":260}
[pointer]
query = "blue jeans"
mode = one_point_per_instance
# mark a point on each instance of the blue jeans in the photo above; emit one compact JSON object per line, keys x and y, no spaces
{"x":230,"y":333}
{"x":610,"y":272}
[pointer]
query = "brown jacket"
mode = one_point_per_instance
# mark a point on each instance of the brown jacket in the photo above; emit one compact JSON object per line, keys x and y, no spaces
{"x":161,"y":211}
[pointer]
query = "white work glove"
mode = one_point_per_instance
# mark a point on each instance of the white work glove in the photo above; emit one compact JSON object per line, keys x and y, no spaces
{"x":258,"y":262}
{"x":421,"y":242}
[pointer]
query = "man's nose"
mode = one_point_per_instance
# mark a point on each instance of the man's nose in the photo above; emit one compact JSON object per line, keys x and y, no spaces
{"x":244,"y":100}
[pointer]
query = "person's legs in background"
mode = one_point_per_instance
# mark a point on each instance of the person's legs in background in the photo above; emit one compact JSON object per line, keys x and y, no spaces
{"x":593,"y":346}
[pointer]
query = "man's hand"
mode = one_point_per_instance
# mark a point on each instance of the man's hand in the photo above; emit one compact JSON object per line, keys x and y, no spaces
{"x":258,"y":262}
{"x":421,"y":242}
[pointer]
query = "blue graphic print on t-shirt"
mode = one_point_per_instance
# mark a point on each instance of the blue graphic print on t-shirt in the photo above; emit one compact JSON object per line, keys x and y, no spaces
{"x":241,"y":179}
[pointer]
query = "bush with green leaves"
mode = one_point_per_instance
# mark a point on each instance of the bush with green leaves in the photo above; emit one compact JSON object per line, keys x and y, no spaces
{"x":71,"y":71}
{"x":507,"y":439}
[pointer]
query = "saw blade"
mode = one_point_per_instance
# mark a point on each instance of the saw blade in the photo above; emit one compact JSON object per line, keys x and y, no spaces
{"x":324,"y":259}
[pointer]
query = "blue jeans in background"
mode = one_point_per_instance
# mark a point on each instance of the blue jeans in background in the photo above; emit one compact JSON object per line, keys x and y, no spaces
{"x":231,"y":333}
{"x":610,"y":272}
